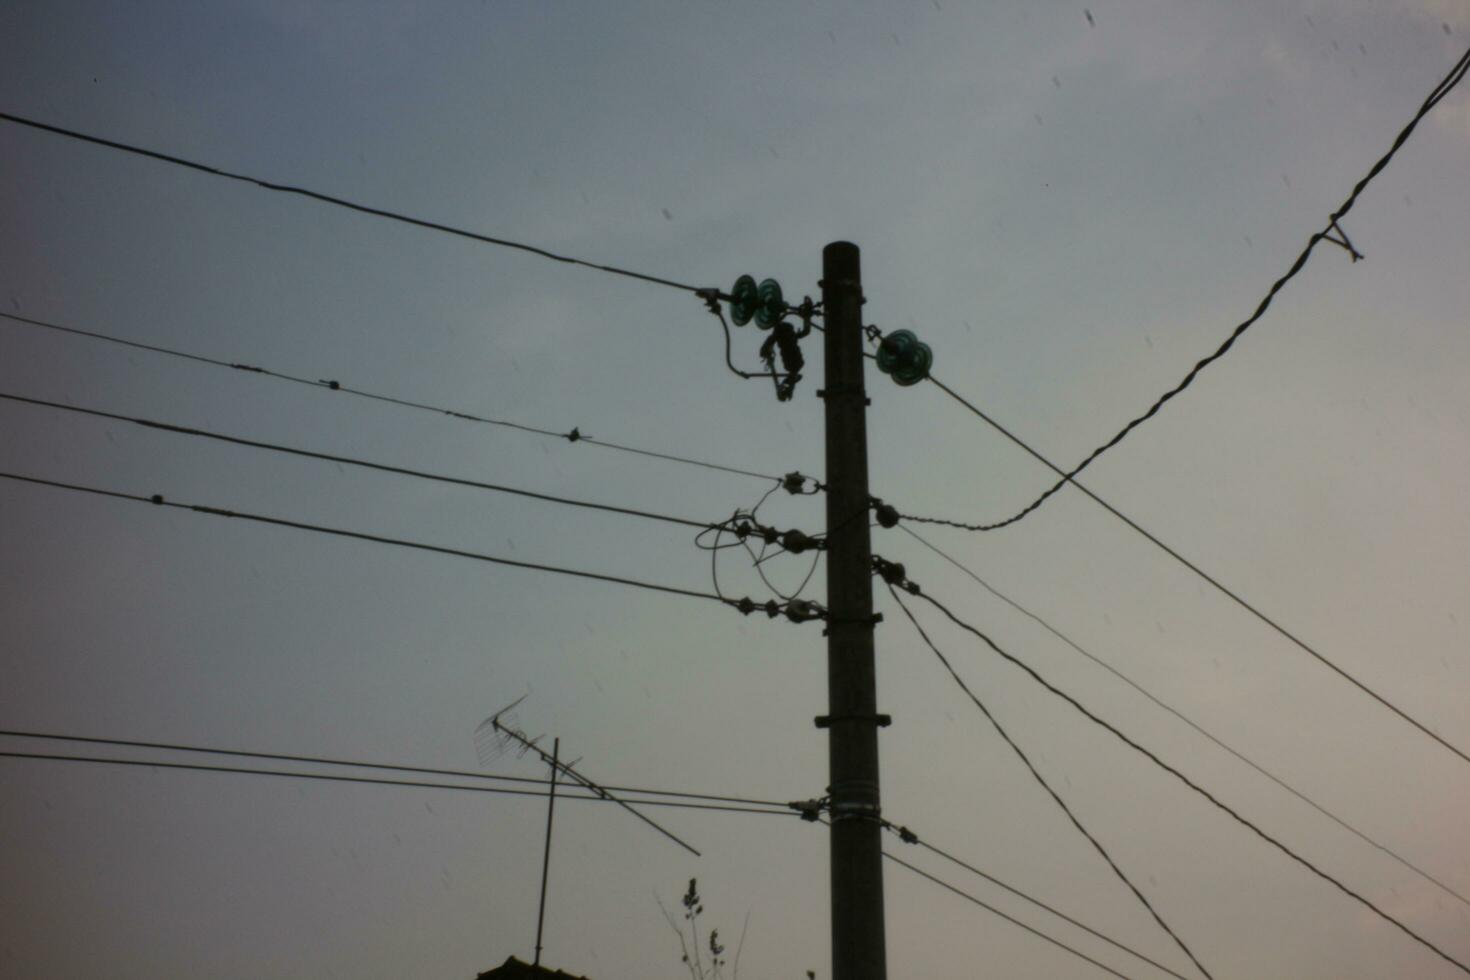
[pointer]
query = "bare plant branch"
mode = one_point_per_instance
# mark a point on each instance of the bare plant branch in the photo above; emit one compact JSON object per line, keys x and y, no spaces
{"x":683,"y":947}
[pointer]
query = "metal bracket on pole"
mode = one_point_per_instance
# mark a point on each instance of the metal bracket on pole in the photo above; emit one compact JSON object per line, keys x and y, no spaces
{"x":827,"y":721}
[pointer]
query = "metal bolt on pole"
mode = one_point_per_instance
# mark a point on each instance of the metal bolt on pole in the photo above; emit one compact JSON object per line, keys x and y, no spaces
{"x":858,"y":951}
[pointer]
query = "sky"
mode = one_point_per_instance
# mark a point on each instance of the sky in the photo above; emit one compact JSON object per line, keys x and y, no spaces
{"x":1071,"y":204}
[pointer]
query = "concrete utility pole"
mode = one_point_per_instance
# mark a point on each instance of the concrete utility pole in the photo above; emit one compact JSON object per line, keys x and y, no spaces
{"x":858,"y":951}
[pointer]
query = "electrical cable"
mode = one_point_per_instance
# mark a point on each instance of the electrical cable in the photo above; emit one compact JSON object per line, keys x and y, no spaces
{"x":909,"y":837}
{"x":1056,"y":797}
{"x":1186,"y":780}
{"x":1440,"y":91}
{"x":714,"y":307}
{"x":351,"y":461}
{"x":743,"y":605}
{"x":1229,"y":593}
{"x":995,"y":911}
{"x":575,"y":435}
{"x":344,"y":203}
{"x":1184,"y":718}
{"x":494,"y":790}
{"x":374,"y":781}
{"x":347,"y":763}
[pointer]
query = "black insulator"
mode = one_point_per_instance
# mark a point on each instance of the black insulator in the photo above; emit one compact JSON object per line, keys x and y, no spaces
{"x":887,"y":514}
{"x":796,"y":542}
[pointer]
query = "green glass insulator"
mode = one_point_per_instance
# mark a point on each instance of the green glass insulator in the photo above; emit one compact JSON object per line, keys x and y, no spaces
{"x":770,"y":307}
{"x":743,"y":299}
{"x":904,"y":358}
{"x":894,"y":348}
{"x":916,"y":367}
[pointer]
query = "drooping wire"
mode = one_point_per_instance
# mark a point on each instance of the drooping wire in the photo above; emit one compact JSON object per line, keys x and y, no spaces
{"x":744,"y":524}
{"x":352,"y":461}
{"x":758,"y":560}
{"x":1440,"y":91}
{"x":909,"y":837}
{"x":1221,"y":587}
{"x":574,"y":436}
{"x":376,"y":781}
{"x":1186,"y":720}
{"x":713,"y":303}
{"x":745,"y":605}
{"x":1056,"y":797}
{"x":359,"y":764}
{"x":1177,"y":774}
{"x":344,"y":203}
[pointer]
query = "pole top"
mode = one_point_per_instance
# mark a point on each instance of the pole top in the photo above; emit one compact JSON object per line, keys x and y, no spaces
{"x":841,"y":260}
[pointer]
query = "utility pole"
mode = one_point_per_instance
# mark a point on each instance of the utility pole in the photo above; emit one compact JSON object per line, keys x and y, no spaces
{"x":858,"y":951}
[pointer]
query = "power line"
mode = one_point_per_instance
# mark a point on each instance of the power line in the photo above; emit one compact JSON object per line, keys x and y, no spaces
{"x":1056,"y":797}
{"x":493,"y":790}
{"x":1229,"y":593}
{"x":1184,"y":718}
{"x":909,"y":837}
{"x":1181,"y":777}
{"x":660,"y":797}
{"x":1009,"y":918}
{"x":745,"y":605}
{"x":365,"y":464}
{"x":357,"y":764}
{"x":376,"y":781}
{"x":344,"y":203}
{"x":574,"y":435}
{"x":1440,"y":91}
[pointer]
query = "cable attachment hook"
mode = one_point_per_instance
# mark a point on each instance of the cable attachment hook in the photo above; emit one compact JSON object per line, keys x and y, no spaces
{"x":1343,"y":241}
{"x":711,"y":297}
{"x":810,"y":810}
{"x":805,"y":312}
{"x":894,"y":574}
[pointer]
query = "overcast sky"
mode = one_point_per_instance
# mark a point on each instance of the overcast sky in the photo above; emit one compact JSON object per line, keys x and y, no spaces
{"x":1070,"y":205}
